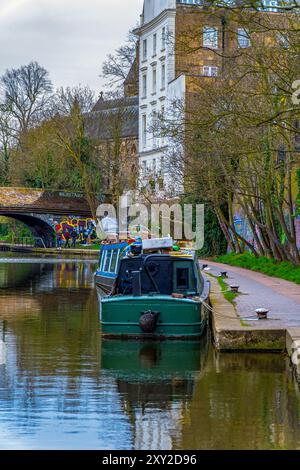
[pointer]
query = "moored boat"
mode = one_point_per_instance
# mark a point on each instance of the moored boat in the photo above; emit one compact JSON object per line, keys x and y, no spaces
{"x":157,"y":293}
{"x":109,"y":261}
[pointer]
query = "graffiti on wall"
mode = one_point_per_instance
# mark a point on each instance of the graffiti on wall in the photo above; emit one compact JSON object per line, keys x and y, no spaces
{"x":243,"y":228}
{"x":75,"y":227}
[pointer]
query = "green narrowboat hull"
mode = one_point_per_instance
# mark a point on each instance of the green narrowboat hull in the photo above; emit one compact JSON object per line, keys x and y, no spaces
{"x":177,"y":318}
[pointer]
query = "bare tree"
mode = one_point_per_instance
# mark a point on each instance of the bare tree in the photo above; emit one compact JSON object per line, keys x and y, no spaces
{"x":71,"y":137}
{"x":117,"y":66}
{"x":26,"y":91}
{"x":64,"y":99}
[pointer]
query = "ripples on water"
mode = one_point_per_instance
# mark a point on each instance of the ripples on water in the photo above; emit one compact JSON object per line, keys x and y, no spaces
{"x":61,"y":387}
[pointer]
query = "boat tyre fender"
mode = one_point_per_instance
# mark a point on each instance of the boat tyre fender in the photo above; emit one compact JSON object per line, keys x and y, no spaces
{"x":148,"y":321}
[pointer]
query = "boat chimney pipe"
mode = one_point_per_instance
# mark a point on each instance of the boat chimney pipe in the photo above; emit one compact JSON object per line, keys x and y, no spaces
{"x":136,"y":284}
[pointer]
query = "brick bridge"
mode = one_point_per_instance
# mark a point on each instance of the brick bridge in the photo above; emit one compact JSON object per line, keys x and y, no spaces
{"x":38,"y":208}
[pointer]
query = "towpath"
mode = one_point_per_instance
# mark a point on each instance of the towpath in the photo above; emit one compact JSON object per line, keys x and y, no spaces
{"x":280,"y":297}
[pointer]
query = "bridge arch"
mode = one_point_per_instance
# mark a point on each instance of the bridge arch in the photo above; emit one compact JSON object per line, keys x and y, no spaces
{"x":39,"y":225}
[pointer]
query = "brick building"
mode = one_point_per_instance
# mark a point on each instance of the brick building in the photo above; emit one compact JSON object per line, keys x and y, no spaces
{"x":181,"y":42}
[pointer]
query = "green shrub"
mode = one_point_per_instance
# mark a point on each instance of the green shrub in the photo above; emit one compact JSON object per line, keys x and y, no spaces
{"x":271,"y":267}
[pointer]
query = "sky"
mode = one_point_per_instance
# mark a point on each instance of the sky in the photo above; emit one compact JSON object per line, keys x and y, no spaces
{"x":70,"y":38}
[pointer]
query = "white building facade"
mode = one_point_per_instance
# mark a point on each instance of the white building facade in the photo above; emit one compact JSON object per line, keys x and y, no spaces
{"x":156,"y":72}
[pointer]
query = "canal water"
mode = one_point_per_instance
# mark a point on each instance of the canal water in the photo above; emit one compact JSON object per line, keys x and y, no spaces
{"x":63,"y":387}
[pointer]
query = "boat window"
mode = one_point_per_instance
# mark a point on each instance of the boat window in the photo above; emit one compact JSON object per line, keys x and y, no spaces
{"x":114,"y":261}
{"x":103,"y":257}
{"x":107,"y":261}
{"x":182,"y":278}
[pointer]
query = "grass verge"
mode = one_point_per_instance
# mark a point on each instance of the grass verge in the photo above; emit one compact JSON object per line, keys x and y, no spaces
{"x":271,"y":267}
{"x":230,"y":296}
{"x":94,"y":246}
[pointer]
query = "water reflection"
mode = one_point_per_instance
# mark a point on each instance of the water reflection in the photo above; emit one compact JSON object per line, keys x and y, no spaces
{"x":244,"y":401}
{"x":41,"y":275}
{"x":156,"y":382}
{"x":61,"y":387}
{"x":2,"y":352}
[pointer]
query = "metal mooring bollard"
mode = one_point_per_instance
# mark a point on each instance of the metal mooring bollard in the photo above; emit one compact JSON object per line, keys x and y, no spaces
{"x":223,"y":274}
{"x":262,"y":313}
{"x":234,"y":288}
{"x":204,"y":266}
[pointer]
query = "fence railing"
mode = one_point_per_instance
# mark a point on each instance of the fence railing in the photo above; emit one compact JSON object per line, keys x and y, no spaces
{"x":26,"y":242}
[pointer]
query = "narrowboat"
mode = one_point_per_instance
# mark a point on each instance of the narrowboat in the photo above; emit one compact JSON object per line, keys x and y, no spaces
{"x":110,"y":257}
{"x":158,"y":293}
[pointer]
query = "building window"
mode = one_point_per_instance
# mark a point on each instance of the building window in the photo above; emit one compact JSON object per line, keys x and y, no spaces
{"x":163,"y":38}
{"x":243,"y":38}
{"x":144,"y":130}
{"x":154,"y":80}
{"x":154,"y":43}
{"x":145,"y":52}
{"x":162,"y":117}
{"x":154,"y":128}
{"x":163,"y":76}
{"x":144,"y":168}
{"x":144,"y":86}
{"x":210,"y":71}
{"x":210,"y":37}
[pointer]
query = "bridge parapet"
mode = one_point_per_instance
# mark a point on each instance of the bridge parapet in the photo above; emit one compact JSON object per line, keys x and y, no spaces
{"x":41,"y":201}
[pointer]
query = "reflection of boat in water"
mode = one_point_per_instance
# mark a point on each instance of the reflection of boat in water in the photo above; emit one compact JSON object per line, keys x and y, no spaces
{"x":156,"y":382}
{"x":158,"y":291}
{"x":155,"y":360}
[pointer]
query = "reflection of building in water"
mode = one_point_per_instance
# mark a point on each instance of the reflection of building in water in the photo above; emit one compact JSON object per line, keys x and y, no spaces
{"x":156,"y":382}
{"x":45,"y":276}
{"x":74,"y":274}
{"x":157,"y":415}
{"x":2,"y":352}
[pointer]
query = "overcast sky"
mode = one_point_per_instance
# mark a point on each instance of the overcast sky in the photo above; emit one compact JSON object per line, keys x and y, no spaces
{"x":70,"y":38}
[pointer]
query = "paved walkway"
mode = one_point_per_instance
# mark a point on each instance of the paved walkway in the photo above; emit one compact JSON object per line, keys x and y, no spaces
{"x":281,"y":297}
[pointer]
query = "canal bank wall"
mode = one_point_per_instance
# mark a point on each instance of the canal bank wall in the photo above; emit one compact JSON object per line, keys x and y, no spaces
{"x":230,"y":333}
{"x":235,"y":326}
{"x":50,"y":251}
